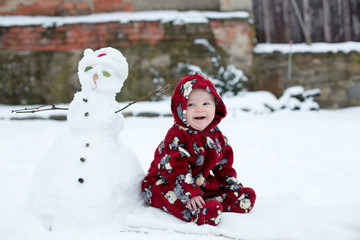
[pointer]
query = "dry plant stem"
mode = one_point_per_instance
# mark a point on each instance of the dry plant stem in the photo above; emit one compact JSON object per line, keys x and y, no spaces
{"x":38,"y":109}
{"x":53,"y":107}
{"x":160,"y":90}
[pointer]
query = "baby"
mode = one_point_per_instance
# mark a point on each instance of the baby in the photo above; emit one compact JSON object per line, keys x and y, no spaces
{"x":191,"y":175}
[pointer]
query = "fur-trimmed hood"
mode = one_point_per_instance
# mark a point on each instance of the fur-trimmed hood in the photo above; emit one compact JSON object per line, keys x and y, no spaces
{"x":181,"y":94}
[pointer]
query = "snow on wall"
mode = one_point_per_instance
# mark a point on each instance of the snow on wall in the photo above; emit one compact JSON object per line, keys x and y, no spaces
{"x":174,"y":16}
{"x":345,"y":47}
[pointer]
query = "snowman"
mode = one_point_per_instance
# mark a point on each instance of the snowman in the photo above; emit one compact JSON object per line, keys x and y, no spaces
{"x":89,"y":177}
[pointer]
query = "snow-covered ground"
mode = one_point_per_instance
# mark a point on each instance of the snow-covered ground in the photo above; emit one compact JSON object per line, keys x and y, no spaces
{"x":303,"y":165}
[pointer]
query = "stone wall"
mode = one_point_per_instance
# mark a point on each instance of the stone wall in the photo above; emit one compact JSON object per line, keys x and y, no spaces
{"x":39,"y":64}
{"x":337,"y":75}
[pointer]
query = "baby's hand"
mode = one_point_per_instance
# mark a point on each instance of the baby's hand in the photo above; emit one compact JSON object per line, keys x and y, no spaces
{"x":195,"y":202}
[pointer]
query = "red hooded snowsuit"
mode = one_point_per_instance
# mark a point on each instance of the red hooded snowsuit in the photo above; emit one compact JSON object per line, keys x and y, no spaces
{"x":191,"y":163}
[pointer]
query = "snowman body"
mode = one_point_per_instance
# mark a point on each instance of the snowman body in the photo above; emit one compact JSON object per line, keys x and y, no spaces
{"x":89,"y":177}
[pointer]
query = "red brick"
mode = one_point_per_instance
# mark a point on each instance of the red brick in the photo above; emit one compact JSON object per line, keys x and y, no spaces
{"x":15,"y":29}
{"x":128,"y":7}
{"x":16,"y":48}
{"x":83,"y":38}
{"x":113,"y":25}
{"x":82,"y":5}
{"x":48,"y":48}
{"x":107,"y":5}
{"x":215,"y":24}
{"x":63,"y":28}
{"x":70,"y":47}
{"x":134,"y":37}
{"x":71,"y":41}
{"x":152,"y":24}
{"x":122,"y":44}
{"x":101,"y":29}
{"x":29,"y":42}
{"x":80,"y":36}
{"x":131,"y":30}
{"x":219,"y":42}
{"x":76,"y":27}
{"x":68,"y":6}
{"x":28,"y":29}
{"x":27,"y":36}
{"x":39,"y":8}
{"x":40,"y":29}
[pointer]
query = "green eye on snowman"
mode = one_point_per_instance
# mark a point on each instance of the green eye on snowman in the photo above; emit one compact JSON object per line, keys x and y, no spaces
{"x":105,"y":73}
{"x":88,"y":69}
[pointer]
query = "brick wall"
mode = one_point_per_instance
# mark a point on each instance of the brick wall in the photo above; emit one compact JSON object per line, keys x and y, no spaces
{"x":82,"y":7}
{"x":62,"y":7}
{"x":39,"y":63}
{"x":33,"y":70}
{"x":96,"y":35}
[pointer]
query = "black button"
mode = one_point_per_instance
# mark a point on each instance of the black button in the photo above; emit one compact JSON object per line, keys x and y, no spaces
{"x":86,"y":114}
{"x":83,"y":159}
{"x":85,"y":99}
{"x":87,"y":145}
{"x":81,"y":180}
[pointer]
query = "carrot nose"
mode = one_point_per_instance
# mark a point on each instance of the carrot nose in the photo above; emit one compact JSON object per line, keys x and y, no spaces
{"x":95,"y":78}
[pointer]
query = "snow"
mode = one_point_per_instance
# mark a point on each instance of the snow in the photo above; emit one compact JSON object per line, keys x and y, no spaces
{"x":259,"y":102}
{"x":205,"y":42}
{"x":302,"y":164}
{"x":317,"y":47}
{"x":177,"y":17}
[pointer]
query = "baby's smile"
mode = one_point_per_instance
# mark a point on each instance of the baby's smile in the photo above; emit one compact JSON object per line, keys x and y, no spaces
{"x":200,"y":118}
{"x":200,"y":110}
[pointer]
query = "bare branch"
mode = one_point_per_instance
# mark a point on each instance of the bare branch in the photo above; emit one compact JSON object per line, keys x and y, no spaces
{"x":160,"y":90}
{"x":49,"y":107}
{"x":38,"y":109}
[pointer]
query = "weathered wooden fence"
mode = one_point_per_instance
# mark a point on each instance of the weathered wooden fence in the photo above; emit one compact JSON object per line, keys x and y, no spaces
{"x":279,"y":21}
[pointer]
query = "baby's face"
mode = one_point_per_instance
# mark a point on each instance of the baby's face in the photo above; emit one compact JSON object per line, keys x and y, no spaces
{"x":200,"y":111}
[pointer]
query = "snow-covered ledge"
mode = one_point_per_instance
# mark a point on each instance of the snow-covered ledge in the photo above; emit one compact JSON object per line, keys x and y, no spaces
{"x":318,"y":47}
{"x":177,"y":17}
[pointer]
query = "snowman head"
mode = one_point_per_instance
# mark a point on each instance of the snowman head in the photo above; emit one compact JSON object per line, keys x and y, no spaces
{"x":103,"y":70}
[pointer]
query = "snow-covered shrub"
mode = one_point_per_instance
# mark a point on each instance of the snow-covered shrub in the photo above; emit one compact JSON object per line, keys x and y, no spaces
{"x":262,"y":102}
{"x":257,"y":102}
{"x":228,"y":80}
{"x":296,"y":98}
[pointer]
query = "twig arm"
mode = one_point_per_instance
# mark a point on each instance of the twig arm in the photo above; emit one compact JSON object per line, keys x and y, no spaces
{"x":49,"y":107}
{"x":160,"y":90}
{"x":38,"y":109}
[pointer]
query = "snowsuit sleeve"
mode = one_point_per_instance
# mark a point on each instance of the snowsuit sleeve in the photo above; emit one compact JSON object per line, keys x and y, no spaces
{"x":176,"y":159}
{"x":224,"y":171}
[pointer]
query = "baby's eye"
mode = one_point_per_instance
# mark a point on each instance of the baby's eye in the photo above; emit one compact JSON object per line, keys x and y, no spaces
{"x":190,"y":104}
{"x":207,"y":104}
